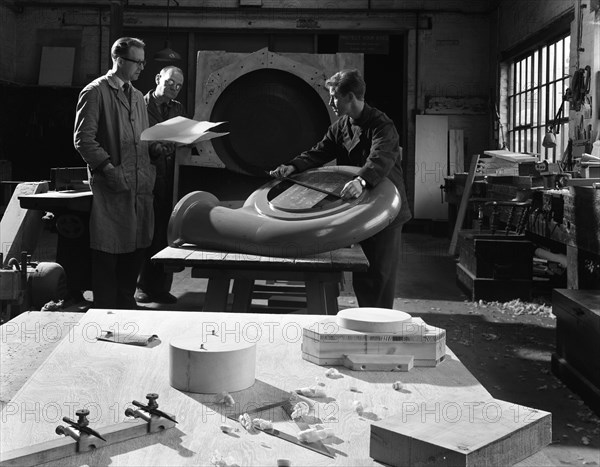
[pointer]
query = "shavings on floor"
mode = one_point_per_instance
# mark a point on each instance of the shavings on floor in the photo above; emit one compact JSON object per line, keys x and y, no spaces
{"x":517,"y":307}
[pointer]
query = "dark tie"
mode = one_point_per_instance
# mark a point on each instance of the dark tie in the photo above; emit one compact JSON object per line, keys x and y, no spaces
{"x":127,"y":91}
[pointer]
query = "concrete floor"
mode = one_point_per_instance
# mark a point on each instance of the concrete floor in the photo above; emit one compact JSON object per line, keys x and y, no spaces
{"x":507,"y":346}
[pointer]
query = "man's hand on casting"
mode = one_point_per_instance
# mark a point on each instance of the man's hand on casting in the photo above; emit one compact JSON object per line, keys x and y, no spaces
{"x":282,"y":171}
{"x":352,"y":189}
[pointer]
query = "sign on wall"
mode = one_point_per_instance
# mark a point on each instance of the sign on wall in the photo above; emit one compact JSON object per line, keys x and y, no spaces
{"x":364,"y":43}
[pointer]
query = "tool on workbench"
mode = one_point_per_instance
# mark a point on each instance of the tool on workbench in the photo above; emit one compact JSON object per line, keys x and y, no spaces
{"x":82,"y":429}
{"x":143,"y":340}
{"x":287,"y":406}
{"x":151,"y":408}
{"x":308,"y":185}
{"x":79,"y":437}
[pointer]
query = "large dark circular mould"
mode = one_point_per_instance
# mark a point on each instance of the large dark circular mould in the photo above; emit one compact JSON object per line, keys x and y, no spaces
{"x":273,"y":116}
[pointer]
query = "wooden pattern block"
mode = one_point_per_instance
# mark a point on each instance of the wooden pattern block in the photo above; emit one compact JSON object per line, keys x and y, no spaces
{"x":211,"y":364}
{"x":358,"y":362}
{"x":480,"y":433}
{"x":326,"y":343}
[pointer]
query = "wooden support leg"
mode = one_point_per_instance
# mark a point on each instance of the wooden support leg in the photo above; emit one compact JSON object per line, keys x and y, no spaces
{"x":217,"y":292}
{"x":321,"y":297}
{"x":332,"y":292}
{"x":242,"y":294}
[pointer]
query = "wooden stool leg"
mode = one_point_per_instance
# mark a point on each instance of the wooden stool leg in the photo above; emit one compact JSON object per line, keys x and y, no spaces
{"x":217,"y":292}
{"x":321,"y":297}
{"x":332,"y":292}
{"x":242,"y":294}
{"x":315,"y":298}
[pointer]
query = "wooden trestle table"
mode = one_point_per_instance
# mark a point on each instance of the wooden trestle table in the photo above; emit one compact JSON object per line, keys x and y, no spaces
{"x":321,"y":274}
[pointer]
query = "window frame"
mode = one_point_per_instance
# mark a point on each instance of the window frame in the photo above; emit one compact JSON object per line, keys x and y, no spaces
{"x":534,"y":93}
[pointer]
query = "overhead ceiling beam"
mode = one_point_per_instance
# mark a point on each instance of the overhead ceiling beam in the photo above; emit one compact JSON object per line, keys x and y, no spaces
{"x":363,"y":6}
{"x":261,"y":20}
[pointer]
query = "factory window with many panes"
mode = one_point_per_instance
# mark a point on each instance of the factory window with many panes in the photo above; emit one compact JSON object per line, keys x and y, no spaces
{"x":537,"y":83}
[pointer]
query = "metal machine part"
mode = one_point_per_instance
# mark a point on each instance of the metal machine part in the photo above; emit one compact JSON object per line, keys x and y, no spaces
{"x":272,"y":116}
{"x":286,"y":220}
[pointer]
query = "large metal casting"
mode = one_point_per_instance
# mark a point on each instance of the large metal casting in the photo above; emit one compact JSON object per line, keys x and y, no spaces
{"x":285,"y":219}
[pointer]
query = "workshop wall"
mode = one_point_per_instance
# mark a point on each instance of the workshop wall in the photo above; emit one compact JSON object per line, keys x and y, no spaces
{"x":585,"y":51}
{"x":518,"y":20}
{"x":450,"y":62}
{"x":7,"y":39}
{"x":454,"y":59}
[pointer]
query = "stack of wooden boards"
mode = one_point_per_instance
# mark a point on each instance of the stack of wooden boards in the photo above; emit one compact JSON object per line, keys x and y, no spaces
{"x":504,"y":162}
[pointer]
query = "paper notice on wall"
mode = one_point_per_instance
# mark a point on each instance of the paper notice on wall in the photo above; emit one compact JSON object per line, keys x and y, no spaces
{"x":181,"y":130}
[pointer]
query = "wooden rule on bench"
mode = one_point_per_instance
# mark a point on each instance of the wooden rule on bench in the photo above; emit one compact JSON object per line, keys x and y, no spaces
{"x":309,"y":191}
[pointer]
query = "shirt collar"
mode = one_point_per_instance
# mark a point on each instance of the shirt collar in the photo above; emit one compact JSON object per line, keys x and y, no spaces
{"x":168,"y":103}
{"x":119,"y":81}
{"x":364,"y":115}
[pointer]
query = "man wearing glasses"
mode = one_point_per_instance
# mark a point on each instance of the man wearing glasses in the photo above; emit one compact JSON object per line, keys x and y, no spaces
{"x":154,"y":283}
{"x":111,"y":115}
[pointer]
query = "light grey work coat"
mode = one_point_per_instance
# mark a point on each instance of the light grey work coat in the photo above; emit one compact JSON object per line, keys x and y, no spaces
{"x":108,"y":127}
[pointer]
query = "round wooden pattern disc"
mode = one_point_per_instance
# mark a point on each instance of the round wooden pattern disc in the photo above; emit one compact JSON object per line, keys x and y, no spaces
{"x":213,"y":364}
{"x":372,"y":319}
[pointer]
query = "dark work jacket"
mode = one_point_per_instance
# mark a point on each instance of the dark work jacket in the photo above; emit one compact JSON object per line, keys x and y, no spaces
{"x":371,"y":142}
{"x":163,"y":189}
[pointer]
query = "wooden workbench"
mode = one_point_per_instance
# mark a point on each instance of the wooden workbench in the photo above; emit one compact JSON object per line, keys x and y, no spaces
{"x":105,"y":377}
{"x":321,"y":273}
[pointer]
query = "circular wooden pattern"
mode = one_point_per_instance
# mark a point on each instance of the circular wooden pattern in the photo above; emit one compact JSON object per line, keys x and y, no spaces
{"x":272,"y":117}
{"x":213,"y":364}
{"x":373,"y":319}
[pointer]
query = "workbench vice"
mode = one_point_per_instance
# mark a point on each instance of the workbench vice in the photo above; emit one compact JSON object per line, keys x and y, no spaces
{"x":80,"y":437}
